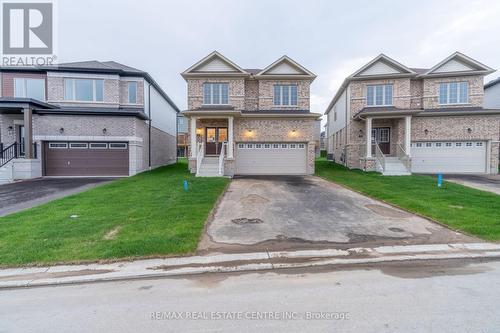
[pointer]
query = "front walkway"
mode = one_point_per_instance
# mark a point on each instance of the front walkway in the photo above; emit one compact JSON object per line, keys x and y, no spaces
{"x":29,"y":193}
{"x":276,"y":213}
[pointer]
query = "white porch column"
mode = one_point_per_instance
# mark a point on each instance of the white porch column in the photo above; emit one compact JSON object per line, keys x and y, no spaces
{"x":368,"y":131}
{"x":408,"y":135}
{"x":230,"y":137}
{"x":192,"y":141}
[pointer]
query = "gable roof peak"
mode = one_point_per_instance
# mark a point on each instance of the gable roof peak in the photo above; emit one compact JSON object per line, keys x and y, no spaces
{"x":462,"y":64}
{"x":397,"y":68}
{"x":293,"y":68}
{"x":222,"y":66}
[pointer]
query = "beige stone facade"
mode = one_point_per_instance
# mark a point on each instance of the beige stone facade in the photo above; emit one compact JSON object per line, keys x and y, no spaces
{"x":249,"y":94}
{"x":415,"y":97}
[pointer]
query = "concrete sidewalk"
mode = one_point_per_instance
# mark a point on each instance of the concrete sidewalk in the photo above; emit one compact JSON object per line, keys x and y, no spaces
{"x":240,"y":262}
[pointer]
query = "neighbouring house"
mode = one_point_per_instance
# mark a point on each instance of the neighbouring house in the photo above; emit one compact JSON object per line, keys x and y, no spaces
{"x":83,"y":119}
{"x":317,"y":137}
{"x":250,"y":121}
{"x":182,"y":136}
{"x":492,"y":94}
{"x":397,"y":120}
{"x":322,"y":144}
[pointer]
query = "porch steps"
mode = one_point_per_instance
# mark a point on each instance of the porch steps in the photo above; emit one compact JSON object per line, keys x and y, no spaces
{"x":395,"y":167}
{"x":209,"y":167}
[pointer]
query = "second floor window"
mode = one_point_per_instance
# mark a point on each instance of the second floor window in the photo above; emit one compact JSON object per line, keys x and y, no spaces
{"x":29,"y":88}
{"x":379,"y":95}
{"x":453,"y":93}
{"x":132,"y":92}
{"x":84,"y":90}
{"x":216,"y":93}
{"x":285,"y":95}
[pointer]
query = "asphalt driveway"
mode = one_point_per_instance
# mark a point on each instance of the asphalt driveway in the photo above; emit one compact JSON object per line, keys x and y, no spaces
{"x":26,"y":194}
{"x":490,"y":183}
{"x":308,"y":212}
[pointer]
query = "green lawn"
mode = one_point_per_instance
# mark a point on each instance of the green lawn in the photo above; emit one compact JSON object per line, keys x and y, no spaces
{"x":462,"y":208}
{"x":151,"y":213}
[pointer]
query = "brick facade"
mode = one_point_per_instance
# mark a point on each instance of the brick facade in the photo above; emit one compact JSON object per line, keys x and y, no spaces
{"x":416,"y":94}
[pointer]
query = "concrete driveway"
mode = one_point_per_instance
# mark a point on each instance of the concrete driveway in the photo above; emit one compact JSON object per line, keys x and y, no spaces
{"x":490,"y":183}
{"x":26,"y":194}
{"x":309,"y":212}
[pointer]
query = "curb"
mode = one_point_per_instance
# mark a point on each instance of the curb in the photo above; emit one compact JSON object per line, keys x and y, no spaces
{"x":241,"y":262}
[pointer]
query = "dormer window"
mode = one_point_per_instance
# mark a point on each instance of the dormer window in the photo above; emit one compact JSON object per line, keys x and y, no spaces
{"x":285,"y":95}
{"x":453,"y":93}
{"x":379,"y":95}
{"x":215,"y":93}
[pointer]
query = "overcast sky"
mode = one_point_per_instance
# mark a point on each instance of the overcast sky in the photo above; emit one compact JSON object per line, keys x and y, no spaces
{"x":330,"y":38}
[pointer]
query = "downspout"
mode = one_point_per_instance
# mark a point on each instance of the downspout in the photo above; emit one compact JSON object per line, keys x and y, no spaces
{"x":149,"y":115}
{"x":347,"y":98}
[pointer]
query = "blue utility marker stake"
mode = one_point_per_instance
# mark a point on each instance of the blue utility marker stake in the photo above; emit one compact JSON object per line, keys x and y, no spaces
{"x":185,"y":185}
{"x":440,"y":180}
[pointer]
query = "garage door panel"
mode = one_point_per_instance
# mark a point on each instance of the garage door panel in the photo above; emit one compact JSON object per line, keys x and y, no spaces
{"x":449,"y":157}
{"x":271,"y":161}
{"x":86,"y":162}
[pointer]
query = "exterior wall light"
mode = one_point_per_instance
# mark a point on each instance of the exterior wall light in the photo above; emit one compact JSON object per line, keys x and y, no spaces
{"x":293,"y":133}
{"x":360,"y":135}
{"x":61,"y":130}
{"x":250,"y":133}
{"x":199,"y":131}
{"x":10,"y":129}
{"x":426,"y":131}
{"x":469,"y":130}
{"x":104,"y":131}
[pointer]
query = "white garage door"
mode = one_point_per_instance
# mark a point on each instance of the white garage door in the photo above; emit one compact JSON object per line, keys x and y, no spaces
{"x":271,"y":158}
{"x":449,"y":157}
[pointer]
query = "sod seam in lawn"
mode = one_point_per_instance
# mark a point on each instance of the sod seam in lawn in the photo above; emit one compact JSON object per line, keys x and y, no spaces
{"x":461,"y":208}
{"x":150,"y":213}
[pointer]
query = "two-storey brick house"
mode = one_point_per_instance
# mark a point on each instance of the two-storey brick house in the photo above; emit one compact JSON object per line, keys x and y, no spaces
{"x":83,"y":119}
{"x":249,"y":121}
{"x":397,"y":120}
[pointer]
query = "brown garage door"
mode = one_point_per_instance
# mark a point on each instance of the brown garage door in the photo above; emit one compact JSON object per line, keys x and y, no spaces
{"x":63,"y":158}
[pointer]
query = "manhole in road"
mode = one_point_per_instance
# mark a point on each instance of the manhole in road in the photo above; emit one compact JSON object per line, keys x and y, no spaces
{"x":245,"y":220}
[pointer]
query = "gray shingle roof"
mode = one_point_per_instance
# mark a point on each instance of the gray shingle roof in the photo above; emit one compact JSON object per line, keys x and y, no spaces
{"x":492,"y":83}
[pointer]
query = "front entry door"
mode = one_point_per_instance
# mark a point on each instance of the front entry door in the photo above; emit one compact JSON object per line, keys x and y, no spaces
{"x":214,"y":137}
{"x":382,"y":137}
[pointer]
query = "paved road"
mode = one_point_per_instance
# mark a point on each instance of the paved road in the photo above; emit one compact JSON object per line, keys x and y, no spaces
{"x":428,"y":297}
{"x":25,"y":194}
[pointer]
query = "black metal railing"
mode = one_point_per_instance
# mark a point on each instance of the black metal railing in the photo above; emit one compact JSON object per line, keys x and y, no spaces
{"x":8,"y":154}
{"x":15,"y":150}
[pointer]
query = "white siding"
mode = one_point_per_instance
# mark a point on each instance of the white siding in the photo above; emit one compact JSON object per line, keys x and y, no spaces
{"x":453,"y":66}
{"x":379,"y":68}
{"x":284,"y":68}
{"x":341,"y":107}
{"x":216,"y":65}
{"x":492,"y":97}
{"x":163,"y":115}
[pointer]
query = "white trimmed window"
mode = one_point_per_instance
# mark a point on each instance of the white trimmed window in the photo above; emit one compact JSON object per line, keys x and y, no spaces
{"x":83,"y":90}
{"x":132,"y":92}
{"x":379,"y":95}
{"x":29,"y":88}
{"x":216,"y":93}
{"x":285,"y":95}
{"x":453,"y":93}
